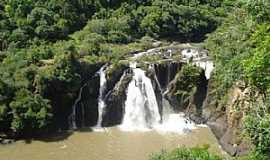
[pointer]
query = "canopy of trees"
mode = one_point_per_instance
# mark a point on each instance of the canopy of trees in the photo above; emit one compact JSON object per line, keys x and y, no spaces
{"x":240,"y":47}
{"x":44,"y":43}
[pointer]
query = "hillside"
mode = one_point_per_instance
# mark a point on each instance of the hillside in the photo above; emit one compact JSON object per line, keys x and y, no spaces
{"x":50,"y":49}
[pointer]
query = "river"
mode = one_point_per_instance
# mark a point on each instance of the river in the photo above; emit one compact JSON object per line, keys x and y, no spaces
{"x":107,"y":144}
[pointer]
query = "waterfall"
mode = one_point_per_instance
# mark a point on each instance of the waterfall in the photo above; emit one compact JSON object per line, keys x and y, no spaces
{"x":141,"y":107}
{"x":152,"y":68}
{"x":169,"y":74}
{"x":171,"y":121}
{"x":72,"y":117}
{"x":175,"y":123}
{"x":200,"y":59}
{"x":207,"y":66}
{"x":145,"y":105}
{"x":142,"y":111}
{"x":102,"y":88}
{"x":78,"y":102}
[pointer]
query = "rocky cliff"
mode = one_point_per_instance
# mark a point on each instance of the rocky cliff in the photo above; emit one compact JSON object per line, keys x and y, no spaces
{"x":180,"y":75}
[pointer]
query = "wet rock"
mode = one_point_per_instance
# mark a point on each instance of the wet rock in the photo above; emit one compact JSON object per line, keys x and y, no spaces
{"x":185,"y":92}
{"x":196,"y":106}
{"x":90,"y":102}
{"x":219,"y":126}
{"x":166,"y":72}
{"x":227,"y":122}
{"x":115,"y":101}
{"x":113,"y":75}
{"x":6,"y":141}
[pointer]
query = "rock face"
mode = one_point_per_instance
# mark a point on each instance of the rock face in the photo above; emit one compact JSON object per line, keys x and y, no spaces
{"x":227,"y":122}
{"x":183,"y":87}
{"x":166,"y":72}
{"x":186,"y":92}
{"x":87,"y":108}
{"x":115,"y":101}
{"x":163,"y":74}
{"x":62,"y":95}
{"x":196,"y":106}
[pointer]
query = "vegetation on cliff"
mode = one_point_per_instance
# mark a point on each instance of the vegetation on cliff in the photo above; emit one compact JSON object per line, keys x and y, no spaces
{"x":240,"y":48}
{"x":44,"y":46}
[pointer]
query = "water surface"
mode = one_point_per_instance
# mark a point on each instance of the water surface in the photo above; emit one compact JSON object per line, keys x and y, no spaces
{"x":112,"y":144}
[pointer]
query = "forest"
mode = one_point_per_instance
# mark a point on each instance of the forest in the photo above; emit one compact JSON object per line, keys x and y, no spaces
{"x":44,"y":45}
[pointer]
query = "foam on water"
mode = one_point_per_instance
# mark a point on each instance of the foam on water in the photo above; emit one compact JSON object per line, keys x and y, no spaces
{"x":175,"y":123}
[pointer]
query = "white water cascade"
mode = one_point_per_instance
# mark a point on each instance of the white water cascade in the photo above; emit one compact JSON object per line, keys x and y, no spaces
{"x":141,"y":107}
{"x":102,"y":88}
{"x":142,"y":111}
{"x":200,"y":59}
{"x":72,"y":117}
{"x":207,"y":66}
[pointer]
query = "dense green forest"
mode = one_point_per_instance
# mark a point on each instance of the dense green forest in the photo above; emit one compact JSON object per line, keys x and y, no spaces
{"x":43,"y":45}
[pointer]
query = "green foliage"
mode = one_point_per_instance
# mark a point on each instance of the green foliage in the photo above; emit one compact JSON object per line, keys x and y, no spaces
{"x":166,"y":18}
{"x":253,"y":156}
{"x":257,"y":126}
{"x":257,"y":68}
{"x":259,"y":9}
{"x":185,"y":84}
{"x":26,"y":78}
{"x":240,"y":49}
{"x":43,"y":43}
{"x":64,"y":68}
{"x":30,"y":112}
{"x":26,"y":20}
{"x":186,"y":154}
{"x":230,"y":45}
{"x":188,"y":78}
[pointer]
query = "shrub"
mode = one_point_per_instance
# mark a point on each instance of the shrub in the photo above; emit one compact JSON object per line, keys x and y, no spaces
{"x":30,"y":112}
{"x":259,"y":9}
{"x":257,"y":126}
{"x":256,"y":67}
{"x":185,"y":154}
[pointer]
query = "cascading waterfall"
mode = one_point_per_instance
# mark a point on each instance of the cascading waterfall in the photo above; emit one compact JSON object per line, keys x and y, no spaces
{"x":171,"y":122}
{"x":142,"y":112}
{"x":165,"y":104}
{"x":102,"y":88}
{"x":141,"y":107}
{"x":207,"y":66}
{"x":169,"y":74}
{"x":72,"y":117}
{"x":101,"y":103}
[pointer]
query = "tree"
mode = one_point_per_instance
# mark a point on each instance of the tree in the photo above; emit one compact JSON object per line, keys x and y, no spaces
{"x":257,"y":68}
{"x":259,"y":9}
{"x":257,"y":126}
{"x":31,"y":112}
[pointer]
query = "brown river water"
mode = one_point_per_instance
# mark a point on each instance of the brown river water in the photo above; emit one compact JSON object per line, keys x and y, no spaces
{"x":109,"y":144}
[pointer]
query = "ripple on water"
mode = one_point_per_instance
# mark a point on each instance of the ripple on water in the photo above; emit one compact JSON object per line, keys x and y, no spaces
{"x":110,"y":144}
